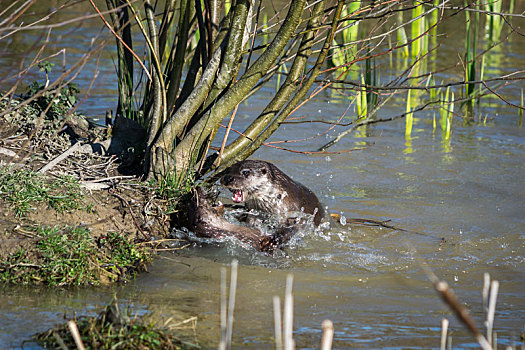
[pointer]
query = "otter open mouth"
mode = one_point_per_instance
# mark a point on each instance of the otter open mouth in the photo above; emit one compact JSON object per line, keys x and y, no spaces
{"x":238,"y":196}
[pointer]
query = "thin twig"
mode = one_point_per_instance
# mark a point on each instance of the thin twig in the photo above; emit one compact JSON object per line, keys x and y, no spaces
{"x":226,"y":134}
{"x":144,"y":234}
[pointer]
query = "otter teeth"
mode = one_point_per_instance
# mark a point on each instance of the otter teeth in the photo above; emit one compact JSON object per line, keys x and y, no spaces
{"x":238,"y":196}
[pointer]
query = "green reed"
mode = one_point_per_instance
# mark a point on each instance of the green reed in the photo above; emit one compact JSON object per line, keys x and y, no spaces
{"x":402,"y":39}
{"x":227,"y":6}
{"x":494,"y":23}
{"x":340,"y":54}
{"x":409,"y":117}
{"x":361,"y":100}
{"x":520,"y":112}
{"x":434,"y":95}
{"x":471,"y":43}
{"x":371,"y":79}
{"x":417,"y":30}
{"x":446,"y":113}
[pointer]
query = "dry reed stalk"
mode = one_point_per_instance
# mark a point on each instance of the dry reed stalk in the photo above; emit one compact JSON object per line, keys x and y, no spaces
{"x":461,"y":312}
{"x":288,"y":315}
{"x":328,"y":335}
{"x":222,"y":342}
{"x":485,"y":292}
{"x":444,"y":330}
{"x":277,"y":323}
{"x":231,"y":303}
{"x":75,"y":334}
{"x":494,"y":286}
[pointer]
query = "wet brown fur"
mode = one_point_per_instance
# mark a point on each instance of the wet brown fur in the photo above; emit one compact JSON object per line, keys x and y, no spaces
{"x":205,"y":220}
{"x":268,"y":189}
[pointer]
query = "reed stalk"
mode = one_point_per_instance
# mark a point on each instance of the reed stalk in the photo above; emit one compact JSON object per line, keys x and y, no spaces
{"x":342,"y":53}
{"x":417,"y":30}
{"x":409,"y":118}
{"x":371,"y":79}
{"x":328,"y":335}
{"x":520,"y":111}
{"x":494,"y":286}
{"x":402,"y":38}
{"x":444,"y":329}
{"x":224,"y":310}
{"x":76,"y":335}
{"x":231,"y":303}
{"x":361,"y":101}
{"x":277,"y":320}
{"x":471,"y":43}
{"x":289,"y":343}
{"x":227,"y":311}
{"x":494,"y":23}
{"x":450,"y":114}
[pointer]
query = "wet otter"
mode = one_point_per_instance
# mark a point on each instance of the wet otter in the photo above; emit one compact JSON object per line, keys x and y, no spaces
{"x":205,"y":220}
{"x":262,"y":186}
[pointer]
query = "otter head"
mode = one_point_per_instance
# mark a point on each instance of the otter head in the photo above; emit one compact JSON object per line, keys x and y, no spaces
{"x":253,"y":181}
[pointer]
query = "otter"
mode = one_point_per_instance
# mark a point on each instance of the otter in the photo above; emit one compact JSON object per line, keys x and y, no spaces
{"x":206,"y":221}
{"x":263,"y":186}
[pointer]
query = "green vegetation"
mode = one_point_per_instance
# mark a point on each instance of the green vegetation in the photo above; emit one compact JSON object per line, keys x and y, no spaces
{"x":342,"y":52}
{"x":22,"y":188}
{"x":71,"y":256}
{"x":56,"y":102}
{"x":471,"y":44}
{"x":111,"y":329}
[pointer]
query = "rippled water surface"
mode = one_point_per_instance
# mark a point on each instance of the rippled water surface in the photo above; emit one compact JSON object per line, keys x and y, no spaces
{"x":469,"y":191}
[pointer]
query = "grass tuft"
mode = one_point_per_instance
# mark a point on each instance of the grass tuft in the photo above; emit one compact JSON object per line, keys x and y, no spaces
{"x":70,"y":256}
{"x":112,"y":328}
{"x":22,"y":188}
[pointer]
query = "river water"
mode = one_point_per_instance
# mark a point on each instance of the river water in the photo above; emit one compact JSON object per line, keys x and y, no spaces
{"x":468,"y":190}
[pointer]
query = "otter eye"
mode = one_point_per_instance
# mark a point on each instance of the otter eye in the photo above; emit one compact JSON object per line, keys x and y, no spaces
{"x":245,"y":173}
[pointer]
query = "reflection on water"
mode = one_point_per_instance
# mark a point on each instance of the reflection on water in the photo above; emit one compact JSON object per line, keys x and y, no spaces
{"x":468,"y":189}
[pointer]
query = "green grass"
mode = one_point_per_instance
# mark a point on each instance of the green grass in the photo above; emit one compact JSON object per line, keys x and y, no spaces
{"x":23,"y":188}
{"x":113,"y":328}
{"x":71,"y":256}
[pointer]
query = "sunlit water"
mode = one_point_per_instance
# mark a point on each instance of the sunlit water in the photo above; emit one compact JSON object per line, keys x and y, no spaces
{"x":367,"y":280}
